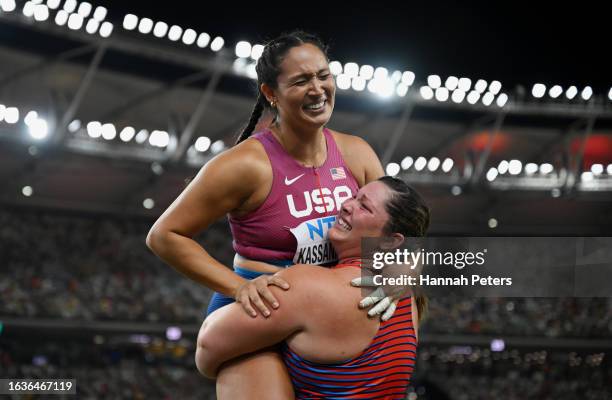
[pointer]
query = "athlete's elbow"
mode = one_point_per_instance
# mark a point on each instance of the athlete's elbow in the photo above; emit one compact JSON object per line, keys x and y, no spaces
{"x":156,"y":238}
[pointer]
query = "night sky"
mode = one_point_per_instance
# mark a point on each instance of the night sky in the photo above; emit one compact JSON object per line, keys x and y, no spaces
{"x":514,"y":42}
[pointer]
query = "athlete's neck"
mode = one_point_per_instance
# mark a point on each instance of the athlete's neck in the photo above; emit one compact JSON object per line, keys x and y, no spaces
{"x":309,"y":148}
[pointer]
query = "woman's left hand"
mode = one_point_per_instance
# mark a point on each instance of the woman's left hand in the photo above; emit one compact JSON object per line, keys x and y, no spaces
{"x":383,"y":299}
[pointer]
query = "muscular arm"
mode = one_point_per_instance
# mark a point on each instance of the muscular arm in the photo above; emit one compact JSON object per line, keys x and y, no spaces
{"x":229,"y":332}
{"x":224,"y":184}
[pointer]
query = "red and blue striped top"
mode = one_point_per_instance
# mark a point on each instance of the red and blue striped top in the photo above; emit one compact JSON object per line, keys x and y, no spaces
{"x":382,"y":371}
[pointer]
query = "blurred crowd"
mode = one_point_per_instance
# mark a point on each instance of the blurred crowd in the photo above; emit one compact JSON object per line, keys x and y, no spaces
{"x":92,"y":267}
{"x":449,"y":373}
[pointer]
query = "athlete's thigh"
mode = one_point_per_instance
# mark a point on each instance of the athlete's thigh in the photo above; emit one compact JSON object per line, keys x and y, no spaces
{"x":261,"y":375}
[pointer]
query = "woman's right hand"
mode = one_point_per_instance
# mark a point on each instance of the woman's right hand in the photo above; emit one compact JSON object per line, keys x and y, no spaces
{"x":250,"y":294}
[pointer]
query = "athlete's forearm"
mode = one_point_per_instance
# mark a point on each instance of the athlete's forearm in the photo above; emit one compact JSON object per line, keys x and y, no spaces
{"x":189,"y":258}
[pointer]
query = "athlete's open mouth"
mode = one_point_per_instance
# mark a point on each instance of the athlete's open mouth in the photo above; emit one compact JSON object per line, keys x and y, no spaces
{"x":316,"y":106}
{"x":344,"y":225}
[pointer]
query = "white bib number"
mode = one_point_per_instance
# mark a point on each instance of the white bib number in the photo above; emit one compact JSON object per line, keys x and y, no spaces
{"x":313,"y":246}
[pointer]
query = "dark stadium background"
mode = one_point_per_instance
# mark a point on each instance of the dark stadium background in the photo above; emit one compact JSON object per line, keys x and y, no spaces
{"x":82,"y":297}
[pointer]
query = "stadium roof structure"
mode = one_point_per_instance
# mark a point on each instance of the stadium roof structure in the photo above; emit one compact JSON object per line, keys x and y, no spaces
{"x":68,"y":97}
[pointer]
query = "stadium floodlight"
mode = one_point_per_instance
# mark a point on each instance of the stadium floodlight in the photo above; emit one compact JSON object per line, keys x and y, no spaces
{"x":503,"y":166}
{"x":383,"y":87}
{"x":426,"y":92}
{"x":130,"y":22}
{"x":610,"y":94}
{"x":109,"y":132}
{"x":39,"y":129}
{"x":531,"y":168}
{"x":433,"y":164}
{"x":495,"y":87}
{"x":175,"y":33}
{"x":8,"y":5}
{"x":217,"y":44}
{"x":70,"y":6}
{"x":464,"y":84}
{"x":74,"y":126}
{"x":597,"y":169}
{"x":434,"y":81}
{"x":28,"y":9}
{"x":351,"y":69}
{"x":392,"y":169}
{"x":546,"y":168}
{"x":142,"y":136}
{"x":127,"y":133}
{"x":160,"y":29}
{"x":473,"y":97}
{"x":372,"y":86}
{"x":492,"y":174}
{"x":396,"y":76}
{"x":335,"y":67}
{"x":538,"y":90}
{"x":515,"y":167}
{"x":41,"y":13}
{"x":480,"y":86}
{"x":366,"y":72}
{"x":239,"y":65}
{"x":217,"y":146}
{"x":2,"y":112}
{"x":343,"y":81}
{"x":145,"y":26}
{"x":159,"y":139}
{"x":488,"y":98}
{"x":402,"y":89}
{"x":407,"y":163}
{"x":27,"y":191}
{"x":555,"y":91}
{"x":571,"y":92}
{"x":257,"y":51}
{"x":92,"y":26}
{"x":381,"y":73}
{"x":190,"y":36}
{"x":173,"y":333}
{"x":451,"y":83}
{"x":106,"y":29}
{"x":358,"y":83}
{"x":586,"y":94}
{"x":11,"y":115}
{"x":458,"y":96}
{"x":502,"y":99}
{"x":420,"y":163}
{"x":202,"y":144}
{"x":441,"y":94}
{"x":30,"y":117}
{"x":84,"y":9}
{"x":587,"y":176}
{"x":203,"y":40}
{"x":243,"y":49}
{"x":75,"y":22}
{"x":447,"y":165}
{"x":61,"y":17}
{"x":94,"y":129}
{"x":100,"y":13}
{"x":609,"y":169}
{"x":148,"y":203}
{"x":408,"y":78}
